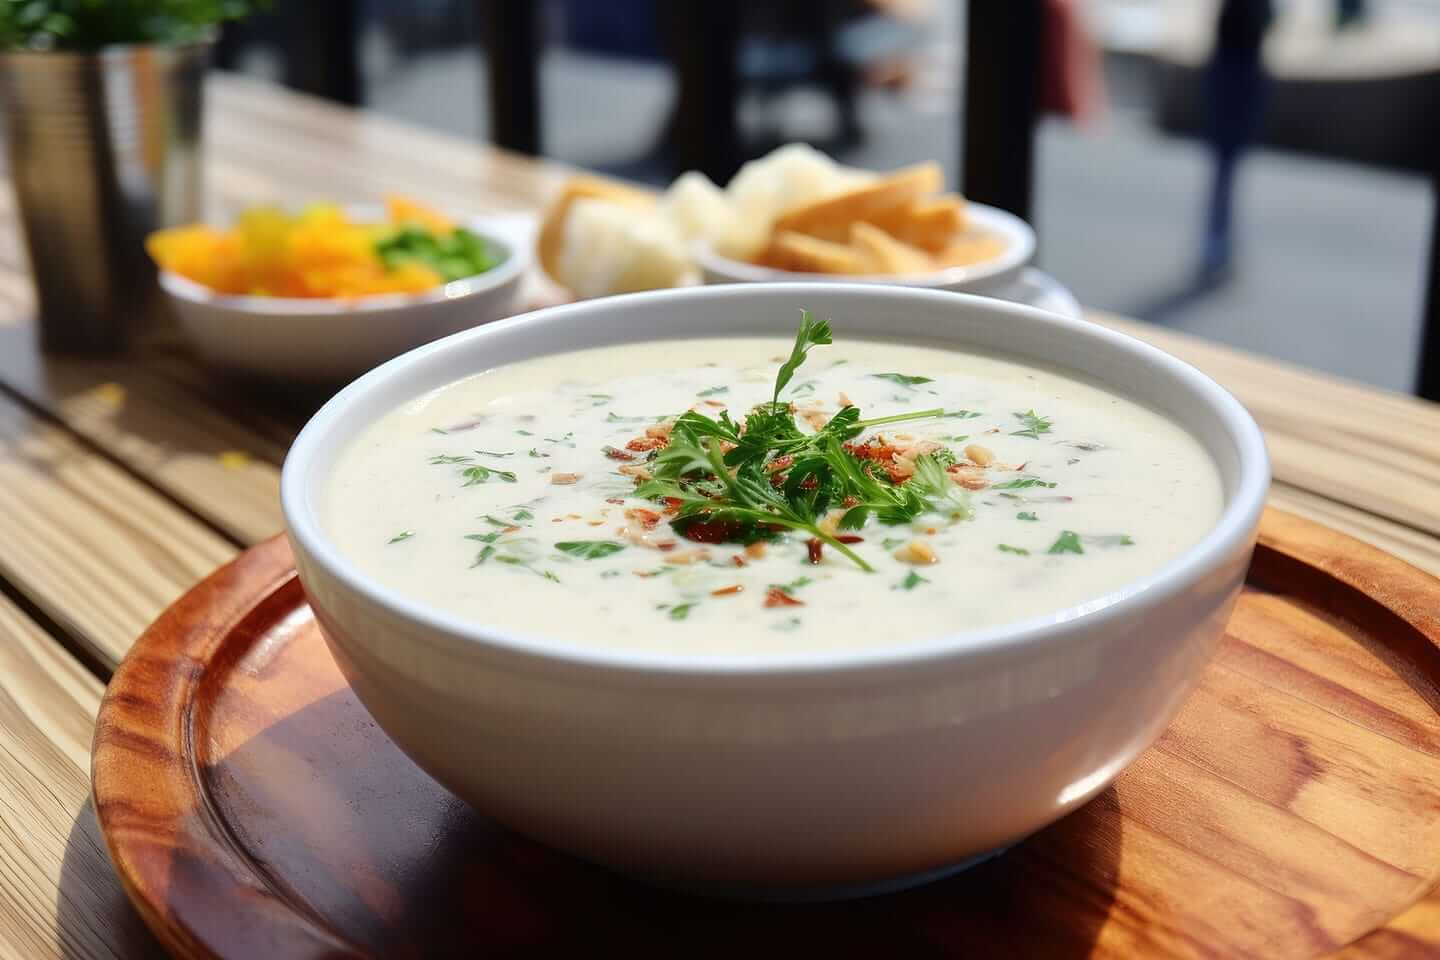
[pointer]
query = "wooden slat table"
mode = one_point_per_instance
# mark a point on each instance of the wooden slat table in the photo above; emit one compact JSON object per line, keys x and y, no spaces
{"x":124,"y":481}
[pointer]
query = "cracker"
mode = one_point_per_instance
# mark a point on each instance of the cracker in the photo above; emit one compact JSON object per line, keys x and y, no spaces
{"x":830,"y":218}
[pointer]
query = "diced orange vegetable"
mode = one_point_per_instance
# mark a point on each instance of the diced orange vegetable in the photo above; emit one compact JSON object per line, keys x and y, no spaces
{"x":319,"y":252}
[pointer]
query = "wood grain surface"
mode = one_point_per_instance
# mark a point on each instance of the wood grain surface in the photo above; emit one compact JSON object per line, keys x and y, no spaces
{"x":58,"y":893}
{"x":1292,"y":808}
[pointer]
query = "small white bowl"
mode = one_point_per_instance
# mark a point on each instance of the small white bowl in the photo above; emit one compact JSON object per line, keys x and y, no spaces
{"x":982,"y":277}
{"x":832,"y":770}
{"x":324,"y":340}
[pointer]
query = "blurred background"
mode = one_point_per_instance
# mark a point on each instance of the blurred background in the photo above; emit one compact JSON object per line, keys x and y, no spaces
{"x":1323,"y":109}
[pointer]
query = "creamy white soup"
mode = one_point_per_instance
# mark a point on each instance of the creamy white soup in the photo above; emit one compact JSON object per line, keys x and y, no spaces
{"x":892,"y":494}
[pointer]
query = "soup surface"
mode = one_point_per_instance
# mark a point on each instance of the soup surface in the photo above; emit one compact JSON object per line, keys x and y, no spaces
{"x":576,"y":497}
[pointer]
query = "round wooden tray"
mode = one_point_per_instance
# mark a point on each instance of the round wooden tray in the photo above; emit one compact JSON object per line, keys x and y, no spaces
{"x":253,"y":809}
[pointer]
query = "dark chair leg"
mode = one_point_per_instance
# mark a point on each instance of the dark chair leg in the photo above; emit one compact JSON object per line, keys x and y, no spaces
{"x":1427,"y":383}
{"x":322,"y":49}
{"x":1002,"y":93}
{"x":703,"y":39}
{"x":511,"y":33}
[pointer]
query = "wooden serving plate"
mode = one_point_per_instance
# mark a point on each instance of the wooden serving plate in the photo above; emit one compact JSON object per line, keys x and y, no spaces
{"x":253,"y":809}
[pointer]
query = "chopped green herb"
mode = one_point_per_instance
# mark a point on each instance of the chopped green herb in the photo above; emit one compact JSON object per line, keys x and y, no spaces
{"x":957,"y":438}
{"x":912,"y":580}
{"x":565,"y":439}
{"x":443,"y":433}
{"x":787,"y":625}
{"x":485,"y":554}
{"x":1068,"y":542}
{"x":402,"y":535}
{"x":962,"y":414}
{"x":1110,"y":540}
{"x":446,"y":458}
{"x":537,"y":453}
{"x":479,"y":474}
{"x":793,"y":585}
{"x":490,"y":537}
{"x":812,"y":333}
{"x":713,"y":391}
{"x":1034,"y":425}
{"x":1006,"y":548}
{"x":904,"y":379}
{"x":607,"y":574}
{"x":492,"y":453}
{"x":495,"y":521}
{"x":525,"y":433}
{"x":1026,"y":515}
{"x":680,"y":611}
{"x":589,"y":549}
{"x":890,"y":543}
{"x":522,"y":514}
{"x":550,"y":575}
{"x":803,"y":389}
{"x":1021,"y":483}
{"x":612,"y":417}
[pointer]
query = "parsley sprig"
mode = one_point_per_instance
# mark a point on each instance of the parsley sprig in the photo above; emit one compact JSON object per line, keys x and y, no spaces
{"x":748,"y":481}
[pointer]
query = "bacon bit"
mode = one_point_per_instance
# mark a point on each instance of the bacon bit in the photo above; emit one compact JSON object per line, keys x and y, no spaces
{"x":917,"y":552}
{"x":510,"y":529}
{"x":641,"y":444}
{"x":738,"y":560}
{"x":729,"y":591}
{"x":971,"y":478}
{"x":780,"y":463}
{"x":980,"y":456}
{"x":666,"y":546}
{"x":646,"y":518}
{"x":849,"y":538}
{"x":776,"y":597}
{"x":816,"y":418}
{"x":814,"y":548}
{"x":565,"y":479}
{"x":615,"y":500}
{"x":615,"y":453}
{"x":882,"y":453}
{"x":688,"y":557}
{"x":756,"y":550}
{"x":850,"y":501}
{"x":635,"y":470}
{"x":672,"y":505}
{"x":660,"y":431}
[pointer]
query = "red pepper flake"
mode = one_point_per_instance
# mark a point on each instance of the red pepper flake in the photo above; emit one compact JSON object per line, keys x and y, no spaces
{"x":734,"y":588}
{"x":614,"y":453}
{"x":666,"y":546}
{"x":814,"y":547}
{"x":672,"y":505}
{"x":738,"y":560}
{"x":710,"y":531}
{"x":777,"y":597}
{"x":849,"y":538}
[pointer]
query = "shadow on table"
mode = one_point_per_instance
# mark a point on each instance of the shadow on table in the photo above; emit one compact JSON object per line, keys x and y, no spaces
{"x":396,"y":864}
{"x":94,"y":918}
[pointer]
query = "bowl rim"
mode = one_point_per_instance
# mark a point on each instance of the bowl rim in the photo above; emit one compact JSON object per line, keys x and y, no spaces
{"x":1017,"y":254}
{"x":515,"y":264}
{"x":1233,"y":530}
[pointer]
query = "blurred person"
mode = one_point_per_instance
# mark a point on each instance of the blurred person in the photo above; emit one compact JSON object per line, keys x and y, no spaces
{"x":1236,"y":86}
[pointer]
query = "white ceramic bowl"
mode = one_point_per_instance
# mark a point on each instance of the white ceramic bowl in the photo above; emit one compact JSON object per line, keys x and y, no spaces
{"x":982,"y":277}
{"x":331,"y":340}
{"x":820,"y":771}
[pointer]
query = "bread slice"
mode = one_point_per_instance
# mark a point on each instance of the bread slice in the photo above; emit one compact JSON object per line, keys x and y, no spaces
{"x":551,"y":238}
{"x":885,"y":253}
{"x":830,"y":218}
{"x":804,"y":254}
{"x":930,"y":223}
{"x":970,"y":248}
